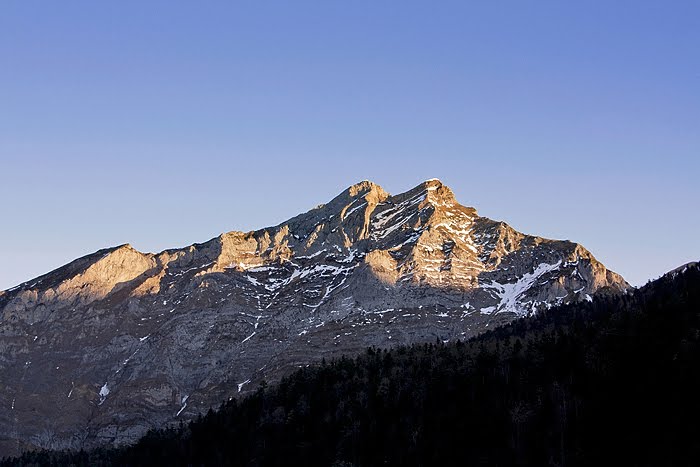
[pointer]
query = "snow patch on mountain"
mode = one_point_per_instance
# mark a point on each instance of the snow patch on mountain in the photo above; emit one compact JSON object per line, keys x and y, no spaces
{"x":510,"y":294}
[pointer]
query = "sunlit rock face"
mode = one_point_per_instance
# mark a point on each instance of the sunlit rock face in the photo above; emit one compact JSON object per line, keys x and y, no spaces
{"x":120,"y":341}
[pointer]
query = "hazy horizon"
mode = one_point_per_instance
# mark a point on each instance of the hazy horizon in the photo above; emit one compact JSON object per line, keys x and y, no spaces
{"x":162,"y":125}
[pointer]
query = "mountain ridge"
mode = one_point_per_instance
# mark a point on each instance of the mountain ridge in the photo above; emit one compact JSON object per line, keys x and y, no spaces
{"x":176,"y":332}
{"x":435,"y":192}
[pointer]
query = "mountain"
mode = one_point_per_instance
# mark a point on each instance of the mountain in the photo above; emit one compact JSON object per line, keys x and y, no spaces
{"x":613,"y":381}
{"x":119,"y":341}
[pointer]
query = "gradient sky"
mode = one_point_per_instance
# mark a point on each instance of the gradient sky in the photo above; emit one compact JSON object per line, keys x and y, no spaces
{"x":165,"y":123}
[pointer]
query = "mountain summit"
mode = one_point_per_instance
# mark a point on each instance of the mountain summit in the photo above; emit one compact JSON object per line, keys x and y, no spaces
{"x":119,"y":341}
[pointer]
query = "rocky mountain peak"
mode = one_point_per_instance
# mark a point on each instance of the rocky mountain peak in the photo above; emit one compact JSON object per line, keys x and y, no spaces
{"x":365,"y":188}
{"x":438,"y":192}
{"x":119,"y":341}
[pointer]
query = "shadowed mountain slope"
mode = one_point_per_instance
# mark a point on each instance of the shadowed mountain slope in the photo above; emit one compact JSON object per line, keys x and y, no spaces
{"x":613,"y":381}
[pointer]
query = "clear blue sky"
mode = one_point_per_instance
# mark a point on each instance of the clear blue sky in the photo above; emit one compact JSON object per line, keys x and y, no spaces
{"x":165,"y":123}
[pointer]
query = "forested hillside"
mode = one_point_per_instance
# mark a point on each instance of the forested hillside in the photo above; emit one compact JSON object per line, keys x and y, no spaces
{"x":612,"y":381}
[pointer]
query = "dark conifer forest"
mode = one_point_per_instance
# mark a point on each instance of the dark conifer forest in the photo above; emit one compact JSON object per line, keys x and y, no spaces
{"x":615,"y":381}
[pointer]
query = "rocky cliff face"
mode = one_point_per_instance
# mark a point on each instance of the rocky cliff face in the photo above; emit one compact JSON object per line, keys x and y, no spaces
{"x":119,"y":341}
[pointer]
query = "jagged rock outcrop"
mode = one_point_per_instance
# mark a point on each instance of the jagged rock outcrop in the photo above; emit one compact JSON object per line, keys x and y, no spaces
{"x":118,"y":341}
